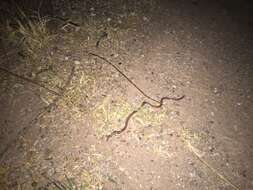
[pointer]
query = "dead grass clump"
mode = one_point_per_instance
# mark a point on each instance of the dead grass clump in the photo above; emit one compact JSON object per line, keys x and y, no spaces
{"x":151,"y":116}
{"x":108,"y":116}
{"x":76,"y":96}
{"x":191,"y":136}
{"x":31,"y":34}
{"x":35,"y":35}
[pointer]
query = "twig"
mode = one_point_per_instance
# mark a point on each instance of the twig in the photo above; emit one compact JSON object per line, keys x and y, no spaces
{"x":223,"y":178}
{"x":30,"y":81}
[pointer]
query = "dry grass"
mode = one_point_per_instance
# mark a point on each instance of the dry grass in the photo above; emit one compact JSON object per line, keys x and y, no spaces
{"x":108,"y":116}
{"x":35,"y":35}
{"x":151,"y":116}
{"x":191,"y":136}
{"x":32,"y":34}
{"x":76,"y":96}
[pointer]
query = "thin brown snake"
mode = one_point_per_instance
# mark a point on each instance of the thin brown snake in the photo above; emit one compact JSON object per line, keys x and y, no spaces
{"x":117,"y":132}
{"x":160,"y":103}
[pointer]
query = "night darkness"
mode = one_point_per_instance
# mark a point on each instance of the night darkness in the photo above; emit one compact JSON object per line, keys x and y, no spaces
{"x":126,"y":94}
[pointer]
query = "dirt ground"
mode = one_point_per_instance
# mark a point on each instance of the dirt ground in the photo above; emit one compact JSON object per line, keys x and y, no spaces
{"x":203,"y":51}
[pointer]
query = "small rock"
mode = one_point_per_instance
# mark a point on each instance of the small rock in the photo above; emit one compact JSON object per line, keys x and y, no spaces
{"x":193,"y":175}
{"x":215,"y":90}
{"x":239,"y":103}
{"x":77,"y":62}
{"x":115,"y":55}
{"x":145,"y":18}
{"x":211,"y":149}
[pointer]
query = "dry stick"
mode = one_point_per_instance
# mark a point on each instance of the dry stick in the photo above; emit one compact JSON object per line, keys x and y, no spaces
{"x":223,"y":178}
{"x":30,"y":81}
{"x":44,"y":110}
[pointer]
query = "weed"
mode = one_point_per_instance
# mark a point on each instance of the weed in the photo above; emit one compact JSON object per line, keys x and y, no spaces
{"x":30,"y":32}
{"x":35,"y":35}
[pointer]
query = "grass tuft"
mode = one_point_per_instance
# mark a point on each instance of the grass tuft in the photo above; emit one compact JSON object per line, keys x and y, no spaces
{"x":30,"y":33}
{"x":35,"y":35}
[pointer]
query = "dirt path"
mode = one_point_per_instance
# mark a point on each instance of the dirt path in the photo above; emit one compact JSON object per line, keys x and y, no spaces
{"x":201,"y":142}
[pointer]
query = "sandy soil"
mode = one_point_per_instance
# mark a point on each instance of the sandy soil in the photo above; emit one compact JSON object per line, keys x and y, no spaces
{"x":203,"y":141}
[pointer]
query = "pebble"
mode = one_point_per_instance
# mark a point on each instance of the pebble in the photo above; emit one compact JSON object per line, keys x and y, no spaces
{"x":239,"y":103}
{"x":215,"y":90}
{"x":77,"y":62}
{"x":145,"y":18}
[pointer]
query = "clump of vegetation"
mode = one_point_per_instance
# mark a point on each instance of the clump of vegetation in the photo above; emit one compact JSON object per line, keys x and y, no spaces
{"x":29,"y":33}
{"x":109,"y":117}
{"x":34,"y":34}
{"x":75,"y":98}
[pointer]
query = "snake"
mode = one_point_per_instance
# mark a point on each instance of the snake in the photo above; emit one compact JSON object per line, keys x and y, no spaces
{"x":159,"y":103}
